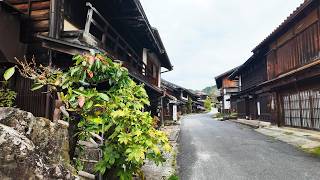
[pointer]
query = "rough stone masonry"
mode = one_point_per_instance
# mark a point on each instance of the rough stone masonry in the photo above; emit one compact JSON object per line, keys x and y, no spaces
{"x":32,"y":147}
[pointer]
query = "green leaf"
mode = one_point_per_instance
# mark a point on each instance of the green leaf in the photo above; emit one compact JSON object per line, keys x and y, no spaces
{"x":74,"y":70}
{"x":137,"y":133}
{"x":124,"y":138}
{"x":136,"y":154}
{"x":9,"y":73}
{"x":89,"y":104}
{"x":79,"y":92}
{"x":118,"y":113}
{"x":36,"y":87}
{"x":106,"y":128}
{"x":97,"y":120}
{"x":103,"y":96}
{"x":100,"y":167}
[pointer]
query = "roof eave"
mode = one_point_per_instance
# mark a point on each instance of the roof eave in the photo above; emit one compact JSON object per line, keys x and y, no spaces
{"x":284,"y":24}
{"x":163,"y":53}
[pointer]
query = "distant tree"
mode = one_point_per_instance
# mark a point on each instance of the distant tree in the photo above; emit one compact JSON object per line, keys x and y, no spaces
{"x":210,"y":90}
{"x":189,"y":106}
{"x":208,"y":104}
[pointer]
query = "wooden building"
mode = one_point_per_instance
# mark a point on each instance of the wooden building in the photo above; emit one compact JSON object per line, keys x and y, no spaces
{"x":227,"y":89}
{"x":201,"y":98}
{"x":280,"y":82}
{"x":176,"y":100}
{"x":252,"y":103}
{"x":55,"y":30}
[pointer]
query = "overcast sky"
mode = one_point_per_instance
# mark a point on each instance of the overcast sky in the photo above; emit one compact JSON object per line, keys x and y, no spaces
{"x":205,"y":38}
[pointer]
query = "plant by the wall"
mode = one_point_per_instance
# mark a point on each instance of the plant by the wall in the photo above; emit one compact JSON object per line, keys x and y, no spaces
{"x":7,"y":96}
{"x":111,"y":106}
{"x":208,"y":104}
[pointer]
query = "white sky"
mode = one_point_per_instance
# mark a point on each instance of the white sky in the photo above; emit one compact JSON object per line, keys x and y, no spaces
{"x":205,"y":38}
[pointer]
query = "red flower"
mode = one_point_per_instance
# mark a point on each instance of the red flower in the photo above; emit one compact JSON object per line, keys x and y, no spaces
{"x":90,"y":73}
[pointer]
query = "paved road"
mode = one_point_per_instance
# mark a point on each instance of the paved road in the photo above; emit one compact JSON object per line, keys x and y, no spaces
{"x":211,"y":149}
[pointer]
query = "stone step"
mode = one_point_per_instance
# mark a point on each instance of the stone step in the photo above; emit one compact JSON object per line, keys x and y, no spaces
{"x":89,"y":156}
{"x":86,"y":175}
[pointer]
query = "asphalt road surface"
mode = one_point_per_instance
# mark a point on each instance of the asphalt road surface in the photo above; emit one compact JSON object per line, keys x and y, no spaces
{"x":211,"y":149}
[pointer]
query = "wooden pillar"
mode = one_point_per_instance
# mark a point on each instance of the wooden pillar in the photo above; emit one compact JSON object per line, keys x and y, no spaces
{"x":88,"y":21}
{"x":278,"y":111}
{"x":161,"y":111}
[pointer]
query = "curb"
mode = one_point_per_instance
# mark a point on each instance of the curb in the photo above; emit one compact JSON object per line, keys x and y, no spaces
{"x":246,"y":124}
{"x":254,"y":124}
{"x":293,"y":133}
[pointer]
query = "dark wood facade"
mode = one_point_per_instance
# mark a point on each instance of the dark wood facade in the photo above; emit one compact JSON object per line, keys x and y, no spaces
{"x":54,"y":30}
{"x":286,"y":86}
{"x":252,"y":103}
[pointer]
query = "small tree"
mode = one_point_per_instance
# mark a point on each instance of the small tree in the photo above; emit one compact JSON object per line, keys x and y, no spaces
{"x":208,"y":104}
{"x":111,"y":106}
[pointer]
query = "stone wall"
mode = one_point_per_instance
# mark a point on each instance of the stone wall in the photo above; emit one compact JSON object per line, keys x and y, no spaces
{"x":32,"y":147}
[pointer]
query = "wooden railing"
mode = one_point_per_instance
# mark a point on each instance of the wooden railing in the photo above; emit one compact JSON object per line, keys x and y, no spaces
{"x":107,"y":38}
{"x":110,"y":39}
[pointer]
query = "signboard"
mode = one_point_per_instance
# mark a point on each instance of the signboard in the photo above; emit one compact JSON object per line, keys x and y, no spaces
{"x":227,"y":104}
{"x":174,"y":113}
{"x":258,"y":108}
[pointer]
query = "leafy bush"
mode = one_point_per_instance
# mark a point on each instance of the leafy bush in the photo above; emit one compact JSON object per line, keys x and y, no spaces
{"x":218,"y":115}
{"x":173,"y":177}
{"x":208,"y":104}
{"x":111,"y":106}
{"x":7,"y":97}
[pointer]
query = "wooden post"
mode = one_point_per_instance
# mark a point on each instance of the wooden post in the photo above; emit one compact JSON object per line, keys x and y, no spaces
{"x":29,"y":8}
{"x":290,"y":110}
{"x":161,"y":111}
{"x":278,"y":109}
{"x":300,"y":105}
{"x":311,"y":109}
{"x":88,"y":22}
{"x":104,"y":37}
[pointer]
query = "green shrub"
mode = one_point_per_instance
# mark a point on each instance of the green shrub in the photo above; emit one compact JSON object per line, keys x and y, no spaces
{"x":114,"y":112}
{"x":208,"y":104}
{"x":7,"y":96}
{"x":173,"y":177}
{"x":218,"y":115}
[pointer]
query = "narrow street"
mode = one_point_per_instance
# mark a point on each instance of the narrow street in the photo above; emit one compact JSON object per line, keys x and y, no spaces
{"x":211,"y":149}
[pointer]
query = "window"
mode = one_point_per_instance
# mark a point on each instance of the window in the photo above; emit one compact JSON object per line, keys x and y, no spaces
{"x":154,"y":71}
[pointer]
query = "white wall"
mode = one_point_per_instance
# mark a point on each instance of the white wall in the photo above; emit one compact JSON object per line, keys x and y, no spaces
{"x":227,"y":104}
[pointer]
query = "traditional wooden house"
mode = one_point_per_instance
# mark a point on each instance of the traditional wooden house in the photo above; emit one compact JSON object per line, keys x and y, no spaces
{"x":227,"y":89}
{"x":251,"y":102}
{"x":55,"y":30}
{"x":201,"y":100}
{"x":285,"y":72}
{"x":176,"y":100}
